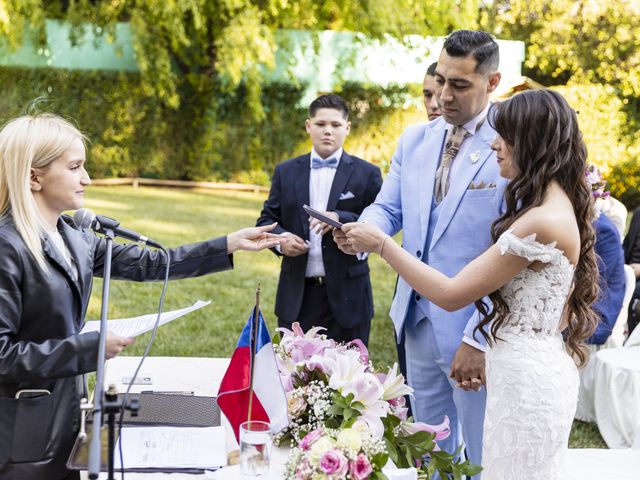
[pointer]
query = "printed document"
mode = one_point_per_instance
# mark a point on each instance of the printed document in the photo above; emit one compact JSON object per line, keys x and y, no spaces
{"x":132,"y":327}
{"x":172,"y":447}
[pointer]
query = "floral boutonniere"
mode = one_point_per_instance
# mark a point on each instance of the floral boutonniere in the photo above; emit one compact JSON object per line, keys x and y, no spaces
{"x":474,"y":156}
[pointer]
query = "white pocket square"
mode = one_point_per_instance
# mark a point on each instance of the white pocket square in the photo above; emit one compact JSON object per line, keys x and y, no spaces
{"x":481,"y":185}
{"x":346,"y":196}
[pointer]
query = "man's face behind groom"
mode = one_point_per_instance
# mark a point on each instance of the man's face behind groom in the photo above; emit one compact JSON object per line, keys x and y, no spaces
{"x":461,"y":91}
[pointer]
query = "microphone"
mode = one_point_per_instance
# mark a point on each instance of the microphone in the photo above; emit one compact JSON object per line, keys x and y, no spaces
{"x":85,"y":218}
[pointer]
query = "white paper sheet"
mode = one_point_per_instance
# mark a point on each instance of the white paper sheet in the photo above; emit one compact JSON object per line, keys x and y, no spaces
{"x":171,"y":447}
{"x":132,"y":327}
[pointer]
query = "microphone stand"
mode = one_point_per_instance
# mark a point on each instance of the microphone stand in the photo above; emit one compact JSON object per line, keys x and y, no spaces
{"x":105,"y":402}
{"x":95,"y":447}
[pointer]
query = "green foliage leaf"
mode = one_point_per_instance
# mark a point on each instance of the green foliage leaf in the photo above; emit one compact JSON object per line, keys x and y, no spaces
{"x":231,"y":41}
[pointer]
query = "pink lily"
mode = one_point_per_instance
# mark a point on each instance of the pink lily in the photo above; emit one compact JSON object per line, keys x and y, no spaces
{"x":441,"y":431}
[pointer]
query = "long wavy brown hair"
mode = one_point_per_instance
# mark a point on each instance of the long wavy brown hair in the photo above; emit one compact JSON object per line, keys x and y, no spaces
{"x":542,"y":130}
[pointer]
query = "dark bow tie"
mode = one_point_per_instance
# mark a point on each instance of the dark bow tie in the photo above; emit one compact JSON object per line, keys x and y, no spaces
{"x":322,"y":163}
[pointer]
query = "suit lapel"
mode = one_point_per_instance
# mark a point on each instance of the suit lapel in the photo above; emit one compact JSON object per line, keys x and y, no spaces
{"x":343,"y":172}
{"x":302,"y":190}
{"x":427,"y":155}
{"x":481,"y":144}
{"x":79,"y":254}
{"x":58,"y":260}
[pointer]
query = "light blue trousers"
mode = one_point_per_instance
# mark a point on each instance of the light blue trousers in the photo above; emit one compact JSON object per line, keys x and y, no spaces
{"x":435,"y":396}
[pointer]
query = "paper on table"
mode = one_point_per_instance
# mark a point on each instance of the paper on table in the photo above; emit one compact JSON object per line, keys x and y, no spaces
{"x":171,"y":447}
{"x":132,"y":327}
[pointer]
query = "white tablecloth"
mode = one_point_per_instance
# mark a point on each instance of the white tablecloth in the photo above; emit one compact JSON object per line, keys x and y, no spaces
{"x":617,"y":396}
{"x":203,"y":375}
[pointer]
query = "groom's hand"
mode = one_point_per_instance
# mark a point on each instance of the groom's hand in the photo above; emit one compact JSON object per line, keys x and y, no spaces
{"x":467,"y":367}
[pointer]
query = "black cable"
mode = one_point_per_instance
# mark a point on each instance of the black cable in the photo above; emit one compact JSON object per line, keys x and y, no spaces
{"x":144,"y":356}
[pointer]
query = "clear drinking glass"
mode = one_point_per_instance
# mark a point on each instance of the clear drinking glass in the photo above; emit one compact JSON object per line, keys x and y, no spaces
{"x":255,"y":448}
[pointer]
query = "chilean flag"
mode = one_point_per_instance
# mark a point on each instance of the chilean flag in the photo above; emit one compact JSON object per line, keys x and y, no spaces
{"x":269,"y":401}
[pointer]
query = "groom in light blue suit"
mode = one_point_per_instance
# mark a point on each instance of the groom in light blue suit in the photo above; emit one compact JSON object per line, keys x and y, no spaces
{"x":441,"y":349}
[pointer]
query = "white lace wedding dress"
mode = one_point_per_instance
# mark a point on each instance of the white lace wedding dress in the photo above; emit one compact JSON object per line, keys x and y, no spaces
{"x":532,"y":382}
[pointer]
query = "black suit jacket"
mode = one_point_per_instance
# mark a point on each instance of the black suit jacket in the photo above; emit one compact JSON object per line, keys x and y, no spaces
{"x":348,"y":284}
{"x":632,"y":240}
{"x":41,"y":314}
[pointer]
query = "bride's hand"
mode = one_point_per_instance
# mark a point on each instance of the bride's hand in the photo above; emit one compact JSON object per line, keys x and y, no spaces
{"x":470,"y":386}
{"x":364,"y":237}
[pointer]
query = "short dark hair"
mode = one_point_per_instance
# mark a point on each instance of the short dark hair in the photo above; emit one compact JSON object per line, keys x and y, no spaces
{"x":329,"y":100}
{"x":481,"y":45}
{"x":431,"y":71}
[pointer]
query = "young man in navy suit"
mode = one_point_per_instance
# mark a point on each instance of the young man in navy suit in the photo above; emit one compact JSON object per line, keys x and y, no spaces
{"x":319,"y":285}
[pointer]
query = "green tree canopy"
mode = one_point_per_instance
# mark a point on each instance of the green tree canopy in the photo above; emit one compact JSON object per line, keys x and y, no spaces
{"x":569,"y":41}
{"x":177,"y":41}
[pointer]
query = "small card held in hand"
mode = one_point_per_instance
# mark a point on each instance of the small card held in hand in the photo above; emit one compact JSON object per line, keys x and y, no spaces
{"x":320,"y":216}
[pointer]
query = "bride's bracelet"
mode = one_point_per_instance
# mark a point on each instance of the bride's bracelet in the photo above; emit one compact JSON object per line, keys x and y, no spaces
{"x":382,"y":245}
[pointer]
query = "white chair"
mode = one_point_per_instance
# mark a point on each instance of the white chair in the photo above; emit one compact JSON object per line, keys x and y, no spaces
{"x":617,"y":396}
{"x":615,"y":210}
{"x":585,"y":410}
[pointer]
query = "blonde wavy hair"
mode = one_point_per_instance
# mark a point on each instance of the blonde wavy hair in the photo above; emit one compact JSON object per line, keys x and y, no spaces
{"x":26,"y":142}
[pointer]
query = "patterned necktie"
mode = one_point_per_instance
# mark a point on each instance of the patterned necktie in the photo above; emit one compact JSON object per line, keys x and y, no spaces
{"x":441,"y":186}
{"x":317,"y":162}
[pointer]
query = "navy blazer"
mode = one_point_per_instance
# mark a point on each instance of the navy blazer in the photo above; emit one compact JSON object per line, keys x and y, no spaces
{"x":612,"y":277}
{"x":347,"y":278}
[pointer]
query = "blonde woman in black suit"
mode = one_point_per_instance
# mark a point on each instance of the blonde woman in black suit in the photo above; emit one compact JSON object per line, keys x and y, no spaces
{"x":45,"y":283}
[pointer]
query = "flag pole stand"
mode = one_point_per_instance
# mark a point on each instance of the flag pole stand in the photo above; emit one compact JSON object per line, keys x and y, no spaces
{"x":254,"y":340}
{"x":233,"y":456}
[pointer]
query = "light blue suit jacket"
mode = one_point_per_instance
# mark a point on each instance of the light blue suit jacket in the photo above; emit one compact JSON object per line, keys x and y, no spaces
{"x":463,"y":230}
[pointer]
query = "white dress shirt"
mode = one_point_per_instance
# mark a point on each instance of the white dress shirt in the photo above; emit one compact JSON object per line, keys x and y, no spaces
{"x":320,"y":181}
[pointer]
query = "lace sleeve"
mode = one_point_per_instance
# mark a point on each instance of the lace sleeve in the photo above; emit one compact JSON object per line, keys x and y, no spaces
{"x":527,"y":247}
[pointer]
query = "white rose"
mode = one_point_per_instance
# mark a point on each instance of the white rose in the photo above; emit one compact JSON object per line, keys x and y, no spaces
{"x":317,"y":449}
{"x":349,"y":438}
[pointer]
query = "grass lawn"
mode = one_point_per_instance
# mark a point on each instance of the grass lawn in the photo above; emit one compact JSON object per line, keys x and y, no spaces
{"x":173,"y":217}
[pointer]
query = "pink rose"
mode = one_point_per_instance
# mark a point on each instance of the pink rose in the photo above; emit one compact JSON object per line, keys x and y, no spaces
{"x":360,"y":468}
{"x":333,"y":462}
{"x":296,"y":406}
{"x":310,"y":438}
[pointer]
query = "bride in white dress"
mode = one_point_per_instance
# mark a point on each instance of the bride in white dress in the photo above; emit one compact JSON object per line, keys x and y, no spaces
{"x":541,"y":277}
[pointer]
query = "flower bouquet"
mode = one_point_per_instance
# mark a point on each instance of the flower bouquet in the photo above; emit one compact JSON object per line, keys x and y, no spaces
{"x":329,"y":453}
{"x":333,"y":388}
